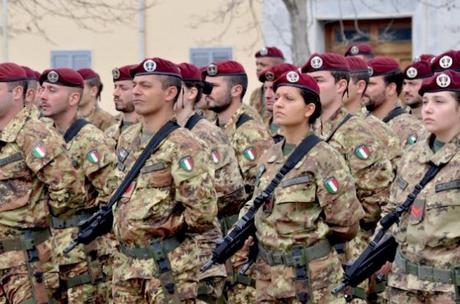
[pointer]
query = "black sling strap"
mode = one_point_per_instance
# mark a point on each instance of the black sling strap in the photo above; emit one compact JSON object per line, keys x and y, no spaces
{"x":192,"y":121}
{"x":344,"y":120}
{"x":393,"y":113}
{"x":2,"y":144}
{"x":243,"y":119}
{"x":74,"y":129}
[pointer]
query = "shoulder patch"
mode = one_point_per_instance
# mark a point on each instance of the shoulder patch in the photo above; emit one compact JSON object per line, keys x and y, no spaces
{"x":362,"y":152}
{"x":186,"y":163}
{"x":93,"y":156}
{"x":249,"y":153}
{"x":215,"y":156}
{"x":331,"y":184}
{"x":39,"y":150}
{"x":411,"y":139}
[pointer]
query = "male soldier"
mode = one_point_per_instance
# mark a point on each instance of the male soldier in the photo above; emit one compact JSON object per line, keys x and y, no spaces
{"x":413,"y":77}
{"x":359,"y":79}
{"x":360,"y":50}
{"x":350,"y":135}
{"x":449,"y":60}
{"x":228,"y":184}
{"x":36,"y":177}
{"x":381,"y":100}
{"x":94,"y":161}
{"x":31,"y":94}
{"x":267,"y":77}
{"x":88,"y":107}
{"x":168,"y":204}
{"x":265,"y":58}
{"x":123,"y":99}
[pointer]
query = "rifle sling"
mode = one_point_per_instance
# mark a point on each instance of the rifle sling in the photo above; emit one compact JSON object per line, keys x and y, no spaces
{"x":192,"y":121}
{"x":74,"y":129}
{"x":393,"y":113}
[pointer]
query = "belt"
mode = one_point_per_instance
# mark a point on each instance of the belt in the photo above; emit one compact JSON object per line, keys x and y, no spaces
{"x":428,"y":273}
{"x":73,"y":221}
{"x":148,"y":252}
{"x":275,"y":257}
{"x":28,"y":240}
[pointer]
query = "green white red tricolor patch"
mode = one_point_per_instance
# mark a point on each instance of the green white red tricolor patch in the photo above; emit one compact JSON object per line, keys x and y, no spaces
{"x":39,"y":151}
{"x":215,"y":155}
{"x":93,"y":156}
{"x":249,"y":154}
{"x":331,"y":185}
{"x":362,"y":152}
{"x":186,"y":163}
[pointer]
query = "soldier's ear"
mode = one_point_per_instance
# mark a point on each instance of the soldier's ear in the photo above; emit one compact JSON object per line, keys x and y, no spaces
{"x":93,"y":91}
{"x":74,"y":98}
{"x":18,"y":92}
{"x":309,"y":110}
{"x":171,"y":93}
{"x":236,"y":90}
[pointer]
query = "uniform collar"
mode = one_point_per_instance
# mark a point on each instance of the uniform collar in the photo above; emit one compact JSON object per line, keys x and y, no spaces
{"x":11,"y":130}
{"x":326,"y":128}
{"x":276,"y":153}
{"x":444,"y":155}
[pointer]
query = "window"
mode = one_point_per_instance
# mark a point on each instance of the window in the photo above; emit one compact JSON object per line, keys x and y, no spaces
{"x":204,"y":56}
{"x":71,"y":59}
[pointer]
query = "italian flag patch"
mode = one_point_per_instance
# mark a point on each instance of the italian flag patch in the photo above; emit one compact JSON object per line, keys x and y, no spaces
{"x":39,"y":151}
{"x":186,"y":163}
{"x":362,"y":152}
{"x":93,"y":156}
{"x":215,"y":155}
{"x":412,"y":139}
{"x":331,"y":185}
{"x":249,"y":154}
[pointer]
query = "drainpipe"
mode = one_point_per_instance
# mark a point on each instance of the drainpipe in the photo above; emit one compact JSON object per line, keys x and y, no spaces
{"x":141,"y":29}
{"x":5,"y":29}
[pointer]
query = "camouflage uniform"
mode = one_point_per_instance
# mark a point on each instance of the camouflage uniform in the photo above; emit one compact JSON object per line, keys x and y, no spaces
{"x":94,"y":160}
{"x":429,"y":234}
{"x":116,"y":129}
{"x":314,"y":200}
{"x":35,"y":176}
{"x":230,"y":194}
{"x":100,"y":118}
{"x":249,"y":141}
{"x":172,"y":198}
{"x":256,"y":100}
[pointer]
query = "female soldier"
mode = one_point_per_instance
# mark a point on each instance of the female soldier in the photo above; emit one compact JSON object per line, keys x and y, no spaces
{"x":314,"y":206}
{"x":427,"y":264}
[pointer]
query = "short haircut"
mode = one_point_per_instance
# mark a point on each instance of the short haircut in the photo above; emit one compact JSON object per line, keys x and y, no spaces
{"x":238,"y":80}
{"x":456,"y":95}
{"x":310,"y":97}
{"x":396,"y":78}
{"x":32,"y":84}
{"x":358,"y":76}
{"x":339,"y":75}
{"x":19,"y":83}
{"x":96,"y":82}
{"x":170,"y":81}
{"x":199,"y":87}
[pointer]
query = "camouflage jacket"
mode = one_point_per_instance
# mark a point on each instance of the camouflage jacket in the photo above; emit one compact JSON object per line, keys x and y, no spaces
{"x":100,"y":118}
{"x":430,"y":232}
{"x":172,"y":195}
{"x":228,"y":181}
{"x":249,"y":141}
{"x":366,"y":157}
{"x":94,"y":159}
{"x":116,"y":129}
{"x":35,"y":175}
{"x":256,"y":100}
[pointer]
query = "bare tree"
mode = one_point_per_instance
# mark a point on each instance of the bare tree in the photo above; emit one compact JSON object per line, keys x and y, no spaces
{"x":298,"y":20}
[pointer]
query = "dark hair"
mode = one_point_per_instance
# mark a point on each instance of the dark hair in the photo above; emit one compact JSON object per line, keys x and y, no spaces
{"x":199,"y":87}
{"x":310,"y":97}
{"x":171,"y":81}
{"x":339,"y":75}
{"x":397,"y":78}
{"x":456,"y":95}
{"x":32,"y":84}
{"x":238,"y":80}
{"x":19,"y":83}
{"x":358,"y":76}
{"x":96,"y":82}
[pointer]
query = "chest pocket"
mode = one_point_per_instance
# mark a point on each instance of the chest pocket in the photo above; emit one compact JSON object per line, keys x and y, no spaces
{"x":155,"y":175}
{"x":300,"y":189}
{"x":13,"y":166}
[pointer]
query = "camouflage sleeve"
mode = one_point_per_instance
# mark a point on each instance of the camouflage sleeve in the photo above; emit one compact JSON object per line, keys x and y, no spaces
{"x":45,"y":155}
{"x":337,"y":196}
{"x":98,"y":165}
{"x":193,"y":180}
{"x":252,"y":141}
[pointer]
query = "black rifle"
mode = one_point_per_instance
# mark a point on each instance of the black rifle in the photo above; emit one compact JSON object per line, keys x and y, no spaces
{"x":100,"y":222}
{"x":383,"y":247}
{"x":245,"y":226}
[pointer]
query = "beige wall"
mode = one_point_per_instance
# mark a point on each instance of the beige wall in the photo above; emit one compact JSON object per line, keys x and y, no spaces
{"x":168,"y":34}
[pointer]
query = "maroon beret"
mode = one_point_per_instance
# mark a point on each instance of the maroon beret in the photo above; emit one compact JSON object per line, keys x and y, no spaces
{"x":298,"y":80}
{"x":383,"y":66}
{"x":269,"y":51}
{"x":424,"y":57}
{"x":325,"y":62}
{"x":156,"y":66}
{"x":224,"y":68}
{"x":275,"y":71}
{"x":190,"y":72}
{"x":449,"y":60}
{"x":359,"y":49}
{"x":62,"y":76}
{"x":29,"y":72}
{"x":87,"y":73}
{"x":122,"y":73}
{"x":444,"y":81}
{"x":418,"y":70}
{"x":37,"y":75}
{"x":10,"y":71}
{"x":357,"y":65}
